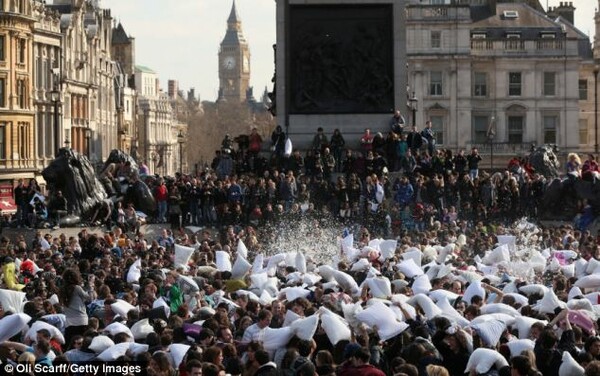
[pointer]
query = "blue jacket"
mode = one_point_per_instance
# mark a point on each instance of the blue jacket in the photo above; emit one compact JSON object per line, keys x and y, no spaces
{"x":405,"y":194}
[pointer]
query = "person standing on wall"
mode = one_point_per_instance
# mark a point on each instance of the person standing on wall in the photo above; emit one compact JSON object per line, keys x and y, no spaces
{"x":429,"y":135}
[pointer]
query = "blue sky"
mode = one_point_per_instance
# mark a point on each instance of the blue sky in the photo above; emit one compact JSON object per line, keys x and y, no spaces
{"x":179,"y":39}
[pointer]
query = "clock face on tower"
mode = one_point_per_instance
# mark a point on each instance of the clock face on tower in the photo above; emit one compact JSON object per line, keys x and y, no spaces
{"x":246,"y":64}
{"x":229,"y":62}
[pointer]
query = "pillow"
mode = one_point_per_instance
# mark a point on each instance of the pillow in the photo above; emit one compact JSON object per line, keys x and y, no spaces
{"x":160,"y":302}
{"x":141,"y":329}
{"x":257,"y":265}
{"x":38,"y":325}
{"x":293,"y":293}
{"x":440,"y":294}
{"x":451,"y":313}
{"x":588,"y":281}
{"x":187,"y":284}
{"x":306,"y":328}
{"x":380,"y":315}
{"x":310,"y":279}
{"x":592,"y":266}
{"x":474,"y":289}
{"x":517,"y":346}
{"x":507,"y":319}
{"x":275,"y":339}
{"x":290,"y":317}
{"x":223,"y":261}
{"x":360,"y":265}
{"x":273,"y":262}
{"x":409,"y":268}
{"x":178,"y":351}
{"x":121,"y":308}
{"x":116,"y":328}
{"x":549,"y":303}
{"x":58,"y":320}
{"x":421,"y":285}
{"x":533,"y":289}
{"x":499,"y":254}
{"x":520,"y":299}
{"x":482,"y":360}
{"x":326,"y":272}
{"x":490,"y":331}
{"x":350,"y":310}
{"x":580,"y":267}
{"x":290,"y":258}
{"x":241,"y":267}
{"x":348,"y":240}
{"x":101,"y":343}
{"x":426,"y":304}
{"x":265,"y":298}
{"x":137,"y":348}
{"x":524,"y":324}
{"x":241,"y":249}
{"x":388,"y":249}
{"x":12,"y":301}
{"x":350,"y":252}
{"x":335,"y":327}
{"x":12,"y":324}
{"x":582,"y":320}
{"x":347,"y":282}
{"x":444,"y":253}
{"x":300,"y":262}
{"x":182,"y":255}
{"x":499,"y":308}
{"x":470,"y":276}
{"x":380,"y":287}
{"x":135,"y":271}
{"x":574,"y":292}
{"x":568,"y":270}
{"x":569,"y":367}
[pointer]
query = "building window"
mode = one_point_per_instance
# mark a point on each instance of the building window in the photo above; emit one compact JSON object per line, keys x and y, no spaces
{"x":2,"y":47}
{"x":515,"y":129}
{"x":21,"y":93}
{"x":22,"y":50}
{"x":549,"y":83}
{"x":2,"y":141}
{"x":481,"y":124}
{"x":480,"y":84}
{"x":514,"y":84}
{"x":436,"y":39}
{"x":2,"y":92}
{"x":435,"y":83}
{"x":583,"y":131}
{"x":437,"y":124}
{"x":550,"y":125}
{"x":583,"y":90}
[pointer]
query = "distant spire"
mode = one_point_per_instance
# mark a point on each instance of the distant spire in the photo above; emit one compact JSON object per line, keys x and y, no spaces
{"x":234,"y":17}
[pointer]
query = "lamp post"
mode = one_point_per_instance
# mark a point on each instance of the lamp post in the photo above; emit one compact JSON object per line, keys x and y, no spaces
{"x":88,"y":136}
{"x":181,"y":141}
{"x":154,"y":160}
{"x":596,"y":70}
{"x":67,"y":143}
{"x":413,"y":100}
{"x":55,"y":97}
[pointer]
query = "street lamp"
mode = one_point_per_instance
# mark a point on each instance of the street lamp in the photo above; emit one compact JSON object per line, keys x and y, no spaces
{"x":88,"y":136}
{"x":67,"y":143}
{"x":181,"y":141}
{"x":596,"y":70}
{"x":413,"y":100}
{"x":491,"y":134}
{"x":55,"y":97}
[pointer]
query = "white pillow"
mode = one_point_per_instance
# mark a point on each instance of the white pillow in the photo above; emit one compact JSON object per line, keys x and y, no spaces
{"x":274,"y":262}
{"x":335,"y":327}
{"x":409,"y":268}
{"x":388,"y":248}
{"x":568,"y":270}
{"x":290,"y":317}
{"x":347,"y":282}
{"x":305,"y":328}
{"x":549,"y":303}
{"x":293,"y":293}
{"x":490,"y":331}
{"x":265,"y":298}
{"x":440,"y":294}
{"x":116,"y":328}
{"x":101,"y":343}
{"x":241,"y":249}
{"x":160,"y":302}
{"x":533,"y":289}
{"x":520,"y":299}
{"x":326,"y":272}
{"x":137,"y":348}
{"x":426,"y":304}
{"x":575,"y":291}
{"x":589,"y":281}
{"x":275,"y":339}
{"x":12,"y":324}
{"x":524,"y":324}
{"x":257,"y":265}
{"x":241,"y":267}
{"x":38,"y":325}
{"x":301,"y":262}
{"x":141,"y":329}
{"x":114,"y":352}
{"x":482,"y":360}
{"x":421,"y":285}
{"x":517,"y":346}
{"x":182,"y":255}
{"x":449,"y":311}
{"x":507,"y":319}
{"x":178,"y":351}
{"x":360,"y":265}
{"x":223,"y":261}
{"x":592,"y":266}
{"x":121,"y":308}
{"x":569,"y":367}
{"x":584,"y":304}
{"x":380,"y":315}
{"x":580,"y":267}
{"x":415,"y":254}
{"x":350,"y":311}
{"x":499,"y":254}
{"x":499,"y":308}
{"x":380,"y":287}
{"x":444,"y":253}
{"x":474,"y":289}
{"x":12,"y":301}
{"x":135,"y":271}
{"x":310,"y":279}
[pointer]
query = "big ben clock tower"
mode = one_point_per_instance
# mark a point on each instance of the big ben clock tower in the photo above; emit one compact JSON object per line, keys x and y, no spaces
{"x":234,"y":61}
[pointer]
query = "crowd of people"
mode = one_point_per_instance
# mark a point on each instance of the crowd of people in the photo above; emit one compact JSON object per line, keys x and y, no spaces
{"x":433,"y":272}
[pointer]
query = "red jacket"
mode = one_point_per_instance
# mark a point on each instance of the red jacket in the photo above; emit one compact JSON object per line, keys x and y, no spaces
{"x":162,"y":194}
